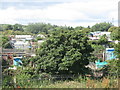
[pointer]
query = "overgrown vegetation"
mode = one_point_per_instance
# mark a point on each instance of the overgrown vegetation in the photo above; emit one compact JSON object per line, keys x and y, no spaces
{"x":66,"y":51}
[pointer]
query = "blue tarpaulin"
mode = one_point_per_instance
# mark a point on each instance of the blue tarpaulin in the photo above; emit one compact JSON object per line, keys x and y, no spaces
{"x":100,"y":64}
{"x":17,"y":62}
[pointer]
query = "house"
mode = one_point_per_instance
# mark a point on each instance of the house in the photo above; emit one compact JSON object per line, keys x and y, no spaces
{"x":21,"y":45}
{"x":41,"y":35}
{"x":96,"y":35}
{"x":21,"y":41}
{"x":40,"y":41}
{"x":29,"y":37}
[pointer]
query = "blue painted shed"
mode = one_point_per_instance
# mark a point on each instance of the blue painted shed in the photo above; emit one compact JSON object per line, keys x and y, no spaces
{"x":110,"y":54}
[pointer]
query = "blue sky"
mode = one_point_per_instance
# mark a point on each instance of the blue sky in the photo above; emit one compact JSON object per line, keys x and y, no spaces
{"x":59,"y":12}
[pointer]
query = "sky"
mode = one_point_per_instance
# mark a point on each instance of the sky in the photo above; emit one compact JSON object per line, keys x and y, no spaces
{"x":59,"y":12}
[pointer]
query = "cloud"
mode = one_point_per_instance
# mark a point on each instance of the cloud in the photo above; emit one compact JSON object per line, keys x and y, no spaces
{"x":69,"y":12}
{"x":42,"y":0}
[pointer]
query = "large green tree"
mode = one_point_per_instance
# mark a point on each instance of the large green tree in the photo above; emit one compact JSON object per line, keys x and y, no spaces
{"x":66,"y":51}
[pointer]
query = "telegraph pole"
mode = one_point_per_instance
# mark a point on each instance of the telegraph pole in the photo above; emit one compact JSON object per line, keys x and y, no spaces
{"x":113,"y":21}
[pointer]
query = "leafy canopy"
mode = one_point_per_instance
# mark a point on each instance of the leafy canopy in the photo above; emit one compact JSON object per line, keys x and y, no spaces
{"x":66,"y":51}
{"x":101,"y":26}
{"x":115,"y":33}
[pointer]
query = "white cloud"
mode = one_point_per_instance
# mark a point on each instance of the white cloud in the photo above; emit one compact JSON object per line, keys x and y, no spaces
{"x":41,"y":0}
{"x":74,"y":13}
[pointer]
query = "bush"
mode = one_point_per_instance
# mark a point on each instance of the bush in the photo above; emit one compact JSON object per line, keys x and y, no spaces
{"x":113,"y":67}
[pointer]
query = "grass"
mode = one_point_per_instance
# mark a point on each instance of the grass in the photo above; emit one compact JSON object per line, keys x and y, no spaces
{"x":106,"y":82}
{"x":66,"y":84}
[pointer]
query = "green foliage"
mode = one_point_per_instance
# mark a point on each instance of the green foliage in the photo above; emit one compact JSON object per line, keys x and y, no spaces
{"x":86,"y":30}
{"x":23,"y":79}
{"x":117,"y":50}
{"x":5,"y":64}
{"x":114,"y":66}
{"x":21,"y":33}
{"x":99,"y":47}
{"x":45,"y":28}
{"x":11,"y":32}
{"x":79,"y":28}
{"x":39,"y":38}
{"x":38,"y":28}
{"x":1,"y":28}
{"x":8,"y":32}
{"x":115,"y":34}
{"x":113,"y":28}
{"x":64,"y":52}
{"x":7,"y":82}
{"x":34,"y":40}
{"x":103,"y":40}
{"x":17,"y":27}
{"x":8,"y":27}
{"x":101,"y":26}
{"x":5,"y":39}
{"x":5,"y":42}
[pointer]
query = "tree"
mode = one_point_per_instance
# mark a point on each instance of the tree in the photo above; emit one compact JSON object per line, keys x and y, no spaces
{"x":79,"y":28}
{"x":86,"y":30}
{"x":117,"y":49}
{"x":101,"y":26}
{"x":1,"y":28}
{"x":113,"y":28}
{"x":5,"y":64}
{"x":103,"y":40}
{"x":64,"y":52}
{"x":8,"y":32}
{"x":115,"y":64}
{"x":8,"y":27}
{"x":88,"y":27}
{"x":115,"y":34}
{"x":17,"y":27}
{"x":5,"y":42}
{"x":38,"y":28}
{"x":114,"y":67}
